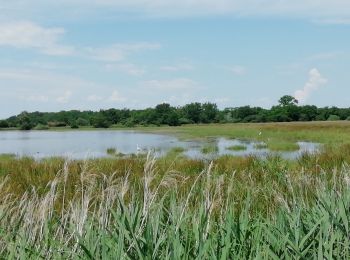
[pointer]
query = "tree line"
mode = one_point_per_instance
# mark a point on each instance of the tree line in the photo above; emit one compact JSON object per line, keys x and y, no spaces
{"x":287,"y":110}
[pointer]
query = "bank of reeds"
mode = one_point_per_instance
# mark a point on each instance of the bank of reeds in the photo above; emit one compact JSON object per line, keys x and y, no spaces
{"x":232,"y":208}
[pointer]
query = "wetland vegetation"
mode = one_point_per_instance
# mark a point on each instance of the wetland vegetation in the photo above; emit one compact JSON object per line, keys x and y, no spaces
{"x":175,"y":207}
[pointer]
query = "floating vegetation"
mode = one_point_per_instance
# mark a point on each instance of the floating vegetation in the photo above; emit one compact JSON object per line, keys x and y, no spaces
{"x":209,"y":148}
{"x":237,"y":148}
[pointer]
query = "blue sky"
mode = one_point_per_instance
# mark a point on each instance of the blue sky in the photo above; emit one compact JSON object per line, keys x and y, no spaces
{"x":138,"y":53}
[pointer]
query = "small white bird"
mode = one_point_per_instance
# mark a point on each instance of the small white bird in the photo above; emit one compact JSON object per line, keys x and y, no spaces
{"x":138,"y":148}
{"x":260,"y":133}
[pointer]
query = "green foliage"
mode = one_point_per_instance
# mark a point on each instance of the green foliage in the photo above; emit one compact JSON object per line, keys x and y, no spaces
{"x":237,"y":148}
{"x":333,"y":118}
{"x":74,"y":125}
{"x":82,"y":122}
{"x":100,"y":121}
{"x":4,"y":124}
{"x":57,"y":124}
{"x":41,"y":127}
{"x":287,"y":110}
{"x":25,"y":122}
{"x":287,"y":100}
{"x":111,"y":151}
{"x":236,"y":208}
{"x":209,"y":148}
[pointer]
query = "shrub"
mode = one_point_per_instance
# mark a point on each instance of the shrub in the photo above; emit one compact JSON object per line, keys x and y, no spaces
{"x":82,"y":122}
{"x":56,"y":124}
{"x":41,"y":127}
{"x":333,"y":118}
{"x":4,"y":124}
{"x":185,"y":121}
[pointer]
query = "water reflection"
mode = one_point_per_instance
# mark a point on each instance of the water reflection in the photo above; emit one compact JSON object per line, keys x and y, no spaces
{"x":94,"y":144}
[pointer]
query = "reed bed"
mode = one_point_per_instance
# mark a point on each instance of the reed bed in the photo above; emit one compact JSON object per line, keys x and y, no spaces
{"x":175,"y":208}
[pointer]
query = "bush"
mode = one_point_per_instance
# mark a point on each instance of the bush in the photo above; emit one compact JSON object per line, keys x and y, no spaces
{"x":4,"y":124}
{"x":56,"y":124}
{"x":333,"y":118}
{"x":82,"y":122}
{"x":185,"y":121}
{"x":129,"y":122}
{"x":26,"y":126}
{"x":41,"y":127}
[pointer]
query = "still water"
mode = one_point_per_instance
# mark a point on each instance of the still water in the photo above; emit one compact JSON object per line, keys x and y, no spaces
{"x":94,"y":144}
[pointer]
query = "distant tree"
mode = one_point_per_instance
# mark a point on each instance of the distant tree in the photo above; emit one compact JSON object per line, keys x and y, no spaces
{"x":4,"y":124}
{"x":82,"y":122}
{"x":209,"y":112}
{"x":193,"y":112}
{"x":100,"y":121}
{"x":24,"y":121}
{"x":287,"y":100}
{"x":173,"y":119}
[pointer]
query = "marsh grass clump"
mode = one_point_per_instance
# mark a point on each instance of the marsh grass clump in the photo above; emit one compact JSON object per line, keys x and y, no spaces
{"x":237,"y":148}
{"x":209,"y":148}
{"x":260,"y":146}
{"x":283,"y":146}
{"x":111,"y":151}
{"x":177,"y":150}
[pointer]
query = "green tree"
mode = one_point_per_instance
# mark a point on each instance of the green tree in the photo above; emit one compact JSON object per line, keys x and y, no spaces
{"x":193,"y":112}
{"x":287,"y":100}
{"x":209,"y":112}
{"x":4,"y":124}
{"x":24,"y":121}
{"x":82,"y":122}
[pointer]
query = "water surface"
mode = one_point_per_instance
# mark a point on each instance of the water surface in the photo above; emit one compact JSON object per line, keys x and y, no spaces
{"x":94,"y":144}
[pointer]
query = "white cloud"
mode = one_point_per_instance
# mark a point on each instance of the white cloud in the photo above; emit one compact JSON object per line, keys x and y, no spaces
{"x":238,"y":70}
{"x":36,"y":98}
{"x":128,"y":68}
{"x":94,"y":98}
{"x":315,"y":81}
{"x":325,"y":56}
{"x":170,"y":85}
{"x":330,"y":9}
{"x":222,"y":100}
{"x":178,"y":67}
{"x":65,"y":97}
{"x":116,"y":97}
{"x":30,"y":35}
{"x":118,"y":52}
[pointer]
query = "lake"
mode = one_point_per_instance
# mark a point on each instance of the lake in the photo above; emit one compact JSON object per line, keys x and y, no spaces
{"x":94,"y":144}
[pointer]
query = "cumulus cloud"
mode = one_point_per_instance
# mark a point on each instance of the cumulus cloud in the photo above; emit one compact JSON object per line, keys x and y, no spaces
{"x":170,"y":85}
{"x":315,"y":81}
{"x":94,"y":98}
{"x":128,"y":68}
{"x":177,"y":67}
{"x":30,"y":35}
{"x":65,"y":97}
{"x":118,"y":52}
{"x":238,"y":70}
{"x":36,"y":98}
{"x":116,"y":97}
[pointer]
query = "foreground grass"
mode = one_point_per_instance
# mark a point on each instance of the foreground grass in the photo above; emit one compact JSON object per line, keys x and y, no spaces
{"x":176,"y":208}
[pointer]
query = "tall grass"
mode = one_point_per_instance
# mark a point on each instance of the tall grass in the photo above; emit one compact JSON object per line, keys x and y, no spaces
{"x":245,"y":208}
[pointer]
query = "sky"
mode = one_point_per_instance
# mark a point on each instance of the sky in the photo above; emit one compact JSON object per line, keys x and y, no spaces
{"x":99,"y":54}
